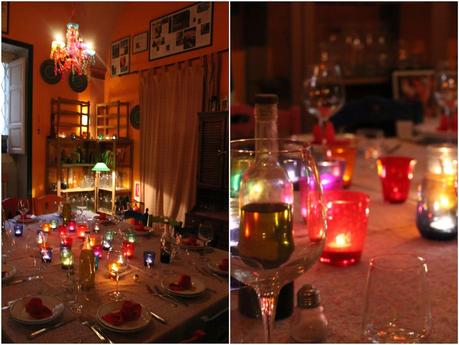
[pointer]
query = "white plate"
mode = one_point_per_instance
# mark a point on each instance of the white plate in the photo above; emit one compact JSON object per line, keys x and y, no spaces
{"x":9,"y":270}
{"x":148,"y":231}
{"x":27,"y":220}
{"x":126,"y":327}
{"x":189,"y":247}
{"x":214,"y":267}
{"x":198,"y":287}
{"x":428,"y":130}
{"x":19,"y":313}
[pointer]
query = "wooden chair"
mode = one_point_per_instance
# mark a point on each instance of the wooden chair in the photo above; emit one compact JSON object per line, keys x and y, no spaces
{"x":46,"y":204}
{"x":10,"y":207}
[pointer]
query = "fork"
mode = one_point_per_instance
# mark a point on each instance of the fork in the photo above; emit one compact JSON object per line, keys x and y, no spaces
{"x":162,"y":292}
{"x":161,"y":296}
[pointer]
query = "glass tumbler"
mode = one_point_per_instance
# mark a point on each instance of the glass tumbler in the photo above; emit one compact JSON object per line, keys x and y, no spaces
{"x":397,"y":300}
{"x":396,"y":173}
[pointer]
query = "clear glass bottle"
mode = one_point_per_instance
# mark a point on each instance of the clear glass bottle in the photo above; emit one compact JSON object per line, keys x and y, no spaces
{"x":308,"y":323}
{"x":87,"y":266}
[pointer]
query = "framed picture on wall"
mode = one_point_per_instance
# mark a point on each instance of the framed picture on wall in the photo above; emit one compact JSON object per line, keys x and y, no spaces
{"x":415,"y":86}
{"x":140,"y":42}
{"x":184,"y":30}
{"x":5,"y":17}
{"x":120,"y":61}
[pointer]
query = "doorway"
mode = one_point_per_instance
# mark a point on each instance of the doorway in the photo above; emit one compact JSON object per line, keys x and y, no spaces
{"x":16,"y":118}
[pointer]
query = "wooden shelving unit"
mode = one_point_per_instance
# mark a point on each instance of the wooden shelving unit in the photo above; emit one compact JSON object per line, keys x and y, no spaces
{"x":112,"y":119}
{"x":69,"y":116}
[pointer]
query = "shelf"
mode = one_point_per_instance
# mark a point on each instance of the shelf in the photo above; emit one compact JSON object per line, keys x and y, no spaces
{"x":108,"y":115}
{"x":365,"y":80}
{"x":104,"y":210}
{"x":108,"y":127}
{"x":78,"y":165}
{"x":77,"y":190}
{"x":69,"y":112}
{"x":118,"y":190}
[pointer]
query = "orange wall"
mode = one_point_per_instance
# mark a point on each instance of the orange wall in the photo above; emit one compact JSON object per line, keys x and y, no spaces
{"x":35,"y":23}
{"x":135,"y":18}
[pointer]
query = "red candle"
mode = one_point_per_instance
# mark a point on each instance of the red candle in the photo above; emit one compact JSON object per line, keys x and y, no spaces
{"x":71,"y":226}
{"x":128,"y":249}
{"x":395,"y":174}
{"x":347,"y":218}
{"x":66,"y":241}
{"x":62,"y":230}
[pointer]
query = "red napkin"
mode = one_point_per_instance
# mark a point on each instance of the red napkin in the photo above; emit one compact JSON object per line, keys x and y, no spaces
{"x":130,"y":311}
{"x":447,"y":123}
{"x":139,"y":227}
{"x":37,"y":309}
{"x":184,"y":283}
{"x":102,"y":216}
{"x":328,"y":133}
{"x":223,"y":265}
{"x":190,"y":241}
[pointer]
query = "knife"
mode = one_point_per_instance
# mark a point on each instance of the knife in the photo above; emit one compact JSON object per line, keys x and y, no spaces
{"x":159,"y":318}
{"x":9,"y":303}
{"x":45,"y":329}
{"x":160,"y":295}
{"x":163,"y":293}
{"x":24,"y":280}
{"x":96,"y":332}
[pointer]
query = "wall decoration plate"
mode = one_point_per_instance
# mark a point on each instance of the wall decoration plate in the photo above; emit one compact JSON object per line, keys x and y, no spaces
{"x":47,"y":72}
{"x":134,"y":117}
{"x":78,"y":83}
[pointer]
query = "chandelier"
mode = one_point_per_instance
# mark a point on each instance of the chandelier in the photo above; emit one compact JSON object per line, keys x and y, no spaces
{"x":73,"y":54}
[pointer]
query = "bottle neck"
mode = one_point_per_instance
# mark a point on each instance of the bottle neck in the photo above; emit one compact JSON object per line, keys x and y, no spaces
{"x":266,"y":128}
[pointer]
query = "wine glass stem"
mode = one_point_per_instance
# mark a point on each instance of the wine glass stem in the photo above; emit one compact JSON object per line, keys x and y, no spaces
{"x":268,"y":301}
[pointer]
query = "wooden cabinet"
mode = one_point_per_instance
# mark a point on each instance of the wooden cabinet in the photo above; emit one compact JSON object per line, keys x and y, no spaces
{"x":212,"y":178}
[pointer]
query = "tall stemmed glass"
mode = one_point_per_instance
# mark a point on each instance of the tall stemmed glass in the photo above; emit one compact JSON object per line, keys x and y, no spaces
{"x":117,"y":264}
{"x":23,"y":207}
{"x":324,"y":92}
{"x":282,"y":232}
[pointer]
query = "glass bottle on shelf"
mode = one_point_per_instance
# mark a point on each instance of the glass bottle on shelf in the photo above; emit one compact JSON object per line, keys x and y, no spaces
{"x":266,"y":127}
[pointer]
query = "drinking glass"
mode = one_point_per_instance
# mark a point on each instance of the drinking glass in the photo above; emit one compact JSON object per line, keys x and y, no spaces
{"x":82,"y":205}
{"x":8,"y":240}
{"x":23,"y":207}
{"x":324,"y":92}
{"x":397,"y":301}
{"x":276,"y":245}
{"x":206,"y":233}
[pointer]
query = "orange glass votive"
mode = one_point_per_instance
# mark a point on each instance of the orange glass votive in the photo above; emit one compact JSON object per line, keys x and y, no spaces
{"x":396,"y":174}
{"x":46,"y":227}
{"x":347,"y":219}
{"x":346,"y":150}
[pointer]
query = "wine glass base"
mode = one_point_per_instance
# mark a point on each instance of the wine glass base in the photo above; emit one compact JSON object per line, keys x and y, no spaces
{"x":116,"y":296}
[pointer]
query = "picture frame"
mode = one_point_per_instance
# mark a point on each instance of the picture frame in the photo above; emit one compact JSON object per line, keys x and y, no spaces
{"x":120,"y":57}
{"x":140,"y":42}
{"x":184,"y":30}
{"x":5,"y":17}
{"x":415,"y":86}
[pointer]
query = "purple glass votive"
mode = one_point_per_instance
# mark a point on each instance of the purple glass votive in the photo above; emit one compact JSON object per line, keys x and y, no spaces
{"x":331,"y":173}
{"x":18,"y":229}
{"x":148,"y":258}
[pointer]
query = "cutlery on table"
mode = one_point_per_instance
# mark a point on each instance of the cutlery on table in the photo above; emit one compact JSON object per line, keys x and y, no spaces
{"x":24,"y":280}
{"x":159,"y":295}
{"x":165,"y":294}
{"x":159,"y":318}
{"x":10,"y":303}
{"x":45,"y":329}
{"x":102,"y":333}
{"x":92,"y":328}
{"x":209,"y":273}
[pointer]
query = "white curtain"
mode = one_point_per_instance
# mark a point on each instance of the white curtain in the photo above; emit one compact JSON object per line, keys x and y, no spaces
{"x":169,"y":104}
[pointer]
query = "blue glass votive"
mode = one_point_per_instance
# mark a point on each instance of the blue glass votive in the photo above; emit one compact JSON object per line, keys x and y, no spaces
{"x":148,"y":258}
{"x":18,"y":229}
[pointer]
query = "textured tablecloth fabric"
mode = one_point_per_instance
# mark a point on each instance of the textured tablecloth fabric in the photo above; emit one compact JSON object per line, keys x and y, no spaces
{"x":181,"y":319}
{"x":391,"y":229}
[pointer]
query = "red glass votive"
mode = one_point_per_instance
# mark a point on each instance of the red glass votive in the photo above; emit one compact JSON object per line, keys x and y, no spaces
{"x":128,"y":249}
{"x":71,"y":226}
{"x":83,"y":229}
{"x":346,"y":150}
{"x":395,"y":174}
{"x":97,"y":250}
{"x":62,"y":229}
{"x":347,"y":219}
{"x":66,"y":241}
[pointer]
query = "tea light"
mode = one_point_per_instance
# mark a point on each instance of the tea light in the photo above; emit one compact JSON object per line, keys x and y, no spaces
{"x":97,"y":250}
{"x":130,"y":237}
{"x":106,"y":244}
{"x":148,"y":258}
{"x":128,"y":249}
{"x":46,"y":254}
{"x":18,"y":229}
{"x":113,"y":269}
{"x":346,"y":150}
{"x":66,"y":241}
{"x":53,"y":224}
{"x":331,"y":173}
{"x":45,"y":227}
{"x":66,"y":258}
{"x":395,"y":173}
{"x":83,"y":229}
{"x":71,"y":226}
{"x":96,"y":227}
{"x":347,"y":218}
{"x":92,"y":240}
{"x":42,"y":239}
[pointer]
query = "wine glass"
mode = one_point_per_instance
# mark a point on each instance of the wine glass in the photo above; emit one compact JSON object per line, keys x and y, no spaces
{"x":117,"y":264}
{"x":206,"y":233}
{"x":446,"y":88}
{"x":82,"y":205}
{"x":324,"y":92}
{"x":282,"y":232}
{"x":23,"y":207}
{"x":8,"y":240}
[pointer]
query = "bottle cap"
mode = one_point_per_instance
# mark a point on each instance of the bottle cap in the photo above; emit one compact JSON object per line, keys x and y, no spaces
{"x":266,"y":98}
{"x":308,"y":297}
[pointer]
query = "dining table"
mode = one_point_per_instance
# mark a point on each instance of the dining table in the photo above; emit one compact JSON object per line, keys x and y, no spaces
{"x":391,"y":229}
{"x":185,"y":318}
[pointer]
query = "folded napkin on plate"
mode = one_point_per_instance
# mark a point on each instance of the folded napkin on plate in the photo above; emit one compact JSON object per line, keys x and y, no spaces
{"x":191,"y":241}
{"x":184,"y":283}
{"x":139,"y":227}
{"x":37,"y":309}
{"x":223,"y":265}
{"x":130,"y":311}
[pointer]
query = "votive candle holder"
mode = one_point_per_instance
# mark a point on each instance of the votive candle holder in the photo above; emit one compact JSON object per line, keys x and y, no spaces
{"x":45,"y":227}
{"x":53,"y":224}
{"x":346,"y":150}
{"x":97,"y":250}
{"x":128,"y":249}
{"x":149,"y":258}
{"x":18,"y":230}
{"x":395,"y":173}
{"x":71,"y":226}
{"x":66,"y":258}
{"x":347,"y":219}
{"x":331,"y":173}
{"x":46,"y":254}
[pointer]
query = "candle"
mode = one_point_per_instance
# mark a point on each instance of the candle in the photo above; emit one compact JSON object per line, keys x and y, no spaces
{"x":62,"y":229}
{"x":331,"y":173}
{"x":45,"y":227}
{"x":347,"y":218}
{"x":83,"y":229}
{"x":71,"y":226}
{"x":42,"y":239}
{"x":46,"y":254}
{"x":106,"y":244}
{"x":53,"y":224}
{"x":396,"y":174}
{"x":108,"y":236}
{"x":114,"y":268}
{"x":66,"y":241}
{"x":130,"y":237}
{"x":66,"y":258}
{"x":148,"y":258}
{"x":97,"y":250}
{"x":128,"y":249}
{"x":346,"y":150}
{"x":96,"y":227}
{"x":92,"y":240}
{"x":18,"y":229}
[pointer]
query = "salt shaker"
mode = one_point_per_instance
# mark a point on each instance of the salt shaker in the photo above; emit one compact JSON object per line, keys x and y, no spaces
{"x":308,"y":323}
